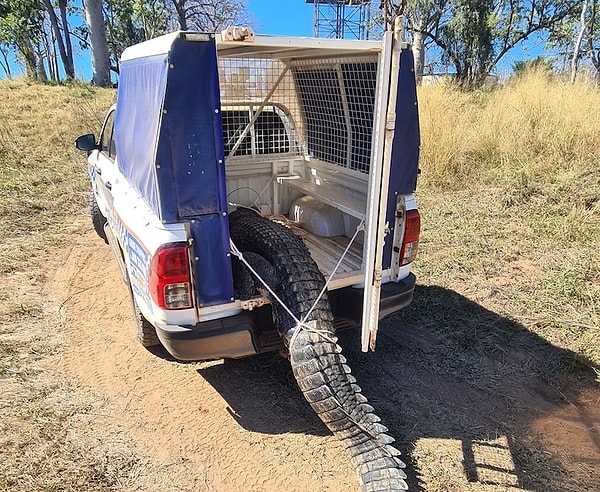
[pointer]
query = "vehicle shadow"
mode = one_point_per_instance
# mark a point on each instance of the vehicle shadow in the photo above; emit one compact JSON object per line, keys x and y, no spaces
{"x":445,"y":368}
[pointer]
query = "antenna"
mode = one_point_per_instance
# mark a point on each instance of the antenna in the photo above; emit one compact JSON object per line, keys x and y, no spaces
{"x":341,"y":19}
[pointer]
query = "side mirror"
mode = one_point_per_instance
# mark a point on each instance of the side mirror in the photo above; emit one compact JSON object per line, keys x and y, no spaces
{"x":86,"y":142}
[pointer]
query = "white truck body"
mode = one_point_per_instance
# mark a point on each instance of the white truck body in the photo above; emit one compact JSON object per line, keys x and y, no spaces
{"x":319,"y":134}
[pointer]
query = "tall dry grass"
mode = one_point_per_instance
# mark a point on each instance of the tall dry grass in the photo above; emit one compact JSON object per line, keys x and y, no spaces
{"x":533,"y":126}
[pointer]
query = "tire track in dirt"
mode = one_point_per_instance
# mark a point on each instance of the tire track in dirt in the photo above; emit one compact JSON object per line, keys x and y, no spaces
{"x":171,"y":411}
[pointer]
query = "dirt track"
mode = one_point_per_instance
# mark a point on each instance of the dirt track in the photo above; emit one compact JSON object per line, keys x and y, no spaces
{"x":244,"y":425}
{"x":259,"y":441}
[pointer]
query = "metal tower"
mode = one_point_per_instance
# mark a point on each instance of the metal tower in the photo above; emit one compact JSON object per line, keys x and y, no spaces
{"x":341,"y":18}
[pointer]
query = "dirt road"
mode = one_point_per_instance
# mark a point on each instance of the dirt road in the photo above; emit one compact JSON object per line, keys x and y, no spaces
{"x":478,"y":419}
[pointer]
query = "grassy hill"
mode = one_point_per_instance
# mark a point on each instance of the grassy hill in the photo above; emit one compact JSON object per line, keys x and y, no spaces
{"x":42,"y":175}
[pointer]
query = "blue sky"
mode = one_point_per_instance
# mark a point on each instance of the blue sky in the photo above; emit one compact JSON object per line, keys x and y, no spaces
{"x":288,"y":17}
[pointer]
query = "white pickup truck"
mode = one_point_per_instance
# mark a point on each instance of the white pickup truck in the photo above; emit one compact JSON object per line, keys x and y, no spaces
{"x":258,"y":194}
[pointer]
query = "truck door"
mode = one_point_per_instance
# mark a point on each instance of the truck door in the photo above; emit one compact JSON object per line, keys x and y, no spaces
{"x":102,"y":166}
{"x":375,"y":223}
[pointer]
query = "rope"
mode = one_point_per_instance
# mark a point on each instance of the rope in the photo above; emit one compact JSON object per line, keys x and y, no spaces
{"x":300,"y":324}
{"x":359,"y":228}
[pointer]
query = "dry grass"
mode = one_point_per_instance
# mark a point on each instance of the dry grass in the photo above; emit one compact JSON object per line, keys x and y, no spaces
{"x":42,"y":186}
{"x":534,"y":129}
{"x":42,"y":175}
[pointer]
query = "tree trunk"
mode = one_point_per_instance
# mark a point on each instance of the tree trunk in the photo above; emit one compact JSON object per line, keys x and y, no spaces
{"x":418,"y":51}
{"x":28,"y":54}
{"x":42,"y":75}
{"x":577,"y":48}
{"x":6,"y":65}
{"x":181,"y":11}
{"x":99,"y":47}
{"x":58,"y":36}
{"x":70,"y":67}
{"x":50,"y":50}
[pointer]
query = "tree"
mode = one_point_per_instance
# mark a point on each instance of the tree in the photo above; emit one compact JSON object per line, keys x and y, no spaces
{"x":210,"y":15}
{"x":593,"y":38}
{"x":540,"y":63}
{"x":98,"y":45}
{"x":464,"y":29}
{"x":129,"y":23}
{"x":64,"y":43}
{"x":579,"y":39}
{"x":467,"y":40}
{"x":577,"y":49}
{"x":4,"y":63}
{"x":423,"y":18}
{"x":516,"y":20}
{"x":33,"y":30}
{"x":21,"y":26}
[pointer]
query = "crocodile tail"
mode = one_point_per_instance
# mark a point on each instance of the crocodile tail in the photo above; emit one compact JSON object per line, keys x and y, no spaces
{"x":325,"y":379}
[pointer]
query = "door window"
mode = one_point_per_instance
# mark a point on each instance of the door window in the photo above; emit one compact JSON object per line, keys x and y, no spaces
{"x":107,"y":141}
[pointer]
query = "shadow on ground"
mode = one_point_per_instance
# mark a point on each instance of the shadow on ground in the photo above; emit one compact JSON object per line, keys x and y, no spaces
{"x":446,"y":368}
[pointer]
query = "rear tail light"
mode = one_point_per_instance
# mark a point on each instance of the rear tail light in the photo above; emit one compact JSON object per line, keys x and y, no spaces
{"x":169,"y":282}
{"x":410,"y":244}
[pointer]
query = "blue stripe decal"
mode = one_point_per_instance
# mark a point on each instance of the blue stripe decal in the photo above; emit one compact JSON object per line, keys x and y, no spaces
{"x":139,"y":266}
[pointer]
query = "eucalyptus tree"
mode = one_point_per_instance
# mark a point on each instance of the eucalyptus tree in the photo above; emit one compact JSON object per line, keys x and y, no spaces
{"x":592,"y":44}
{"x":210,"y":15}
{"x":60,"y":28}
{"x":21,"y":25}
{"x":578,"y":40}
{"x":96,"y":31}
{"x":514,"y":21}
{"x":467,"y":40}
{"x":129,"y":23}
{"x":474,"y":35}
{"x":424,"y":18}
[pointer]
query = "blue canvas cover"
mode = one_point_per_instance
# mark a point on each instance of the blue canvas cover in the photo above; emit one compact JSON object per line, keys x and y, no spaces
{"x":170,"y":148}
{"x":406,"y":144}
{"x":190,"y":154}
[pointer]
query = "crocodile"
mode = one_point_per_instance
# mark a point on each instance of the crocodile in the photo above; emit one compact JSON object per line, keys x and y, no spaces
{"x":281,"y":268}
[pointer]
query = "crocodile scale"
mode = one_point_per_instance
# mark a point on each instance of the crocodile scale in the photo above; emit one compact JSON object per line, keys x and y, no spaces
{"x":284,"y":263}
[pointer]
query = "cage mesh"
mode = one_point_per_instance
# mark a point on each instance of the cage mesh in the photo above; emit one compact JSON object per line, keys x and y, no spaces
{"x":270,"y":107}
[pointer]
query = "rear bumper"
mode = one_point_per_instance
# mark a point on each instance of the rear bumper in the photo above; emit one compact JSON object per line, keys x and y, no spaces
{"x":233,"y":337}
{"x":253,"y":332}
{"x":347,"y":303}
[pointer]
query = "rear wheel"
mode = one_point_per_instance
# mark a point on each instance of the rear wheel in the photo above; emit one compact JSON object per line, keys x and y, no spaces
{"x":98,"y":219}
{"x":144,"y":330}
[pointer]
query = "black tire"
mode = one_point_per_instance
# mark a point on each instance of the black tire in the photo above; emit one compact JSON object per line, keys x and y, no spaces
{"x":98,"y":219}
{"x":145,"y":332}
{"x":283,"y":261}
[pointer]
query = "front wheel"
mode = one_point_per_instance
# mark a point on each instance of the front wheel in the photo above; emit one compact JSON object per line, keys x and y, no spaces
{"x":98,"y":219}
